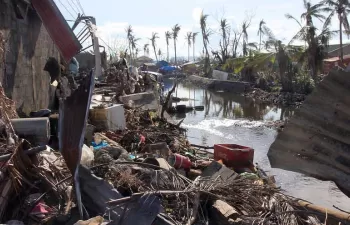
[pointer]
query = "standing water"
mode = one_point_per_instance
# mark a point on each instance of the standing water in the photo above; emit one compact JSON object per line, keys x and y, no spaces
{"x":230,"y":118}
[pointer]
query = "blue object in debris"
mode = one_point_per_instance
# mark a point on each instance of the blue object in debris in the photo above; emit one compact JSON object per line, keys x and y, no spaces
{"x":74,"y":66}
{"x":168,"y":68}
{"x":100,"y":145}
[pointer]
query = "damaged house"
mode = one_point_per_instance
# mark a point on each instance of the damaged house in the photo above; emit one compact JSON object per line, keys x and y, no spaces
{"x":28,"y":38}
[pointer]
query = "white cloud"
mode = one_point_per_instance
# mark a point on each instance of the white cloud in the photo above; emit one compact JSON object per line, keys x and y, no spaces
{"x":196,"y":14}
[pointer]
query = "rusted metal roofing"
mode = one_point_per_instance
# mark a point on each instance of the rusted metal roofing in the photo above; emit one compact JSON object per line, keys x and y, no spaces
{"x":316,"y":141}
{"x":58,"y":28}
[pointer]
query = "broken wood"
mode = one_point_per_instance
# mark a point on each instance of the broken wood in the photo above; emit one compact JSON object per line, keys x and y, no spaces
{"x":223,"y":212}
{"x":165,"y":104}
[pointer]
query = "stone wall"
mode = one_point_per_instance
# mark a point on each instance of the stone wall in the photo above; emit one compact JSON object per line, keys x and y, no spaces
{"x":28,"y":46}
{"x":220,"y":85}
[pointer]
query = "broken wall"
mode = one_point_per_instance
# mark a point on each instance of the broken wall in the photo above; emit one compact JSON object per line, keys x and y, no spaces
{"x":316,"y":140}
{"x":28,"y":46}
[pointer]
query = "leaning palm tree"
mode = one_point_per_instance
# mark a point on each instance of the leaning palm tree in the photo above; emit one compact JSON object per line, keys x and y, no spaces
{"x":194,"y":35}
{"x":189,"y":42}
{"x":146,"y":49}
{"x":167,"y":38}
{"x":342,"y":8}
{"x":129,"y":34}
{"x":175,"y":32}
{"x":205,"y":34}
{"x":153,"y":40}
{"x":261,"y":31}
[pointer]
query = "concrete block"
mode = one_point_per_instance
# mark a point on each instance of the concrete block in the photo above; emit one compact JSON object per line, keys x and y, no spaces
{"x":219,"y":75}
{"x":145,"y":100}
{"x":110,"y":118}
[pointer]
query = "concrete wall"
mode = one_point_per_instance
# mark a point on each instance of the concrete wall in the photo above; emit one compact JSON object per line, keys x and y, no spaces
{"x":87,"y":60}
{"x":28,"y":46}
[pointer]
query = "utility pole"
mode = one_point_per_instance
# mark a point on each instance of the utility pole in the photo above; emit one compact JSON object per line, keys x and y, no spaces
{"x":96,"y":47}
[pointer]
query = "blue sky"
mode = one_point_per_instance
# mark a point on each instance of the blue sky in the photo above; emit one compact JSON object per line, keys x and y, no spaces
{"x":113,"y":16}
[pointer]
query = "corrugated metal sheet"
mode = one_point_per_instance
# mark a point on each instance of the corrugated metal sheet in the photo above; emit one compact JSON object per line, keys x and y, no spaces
{"x":316,"y":141}
{"x":58,"y":28}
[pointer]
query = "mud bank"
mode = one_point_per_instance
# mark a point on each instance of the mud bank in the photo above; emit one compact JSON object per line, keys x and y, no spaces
{"x":220,"y":85}
{"x":276,"y":98}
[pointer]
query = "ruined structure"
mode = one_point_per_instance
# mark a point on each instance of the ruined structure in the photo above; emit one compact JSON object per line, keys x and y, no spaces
{"x":27,"y":47}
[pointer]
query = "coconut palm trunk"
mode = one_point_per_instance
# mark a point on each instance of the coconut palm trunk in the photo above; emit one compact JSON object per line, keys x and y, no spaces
{"x":341,"y":37}
{"x":155,"y":52}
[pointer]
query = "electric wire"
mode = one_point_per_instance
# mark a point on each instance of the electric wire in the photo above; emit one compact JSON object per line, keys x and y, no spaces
{"x":64,"y":6}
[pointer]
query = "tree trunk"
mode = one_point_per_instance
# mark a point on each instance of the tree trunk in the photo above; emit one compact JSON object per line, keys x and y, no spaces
{"x":175,"y":52}
{"x":188,"y":52}
{"x":341,"y":38}
{"x":260,"y":43}
{"x":130,"y":58}
{"x":194,"y":58}
{"x":167,"y":52}
{"x":155,"y":53}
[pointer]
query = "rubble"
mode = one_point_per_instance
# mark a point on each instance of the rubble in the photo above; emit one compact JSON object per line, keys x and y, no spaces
{"x":147,"y":173}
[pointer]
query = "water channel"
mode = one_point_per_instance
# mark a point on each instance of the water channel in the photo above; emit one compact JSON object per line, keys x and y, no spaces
{"x":230,"y":118}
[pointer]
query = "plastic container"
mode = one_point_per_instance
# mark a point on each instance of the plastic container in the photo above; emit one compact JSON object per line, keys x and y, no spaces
{"x":179,"y":161}
{"x":234,"y":155}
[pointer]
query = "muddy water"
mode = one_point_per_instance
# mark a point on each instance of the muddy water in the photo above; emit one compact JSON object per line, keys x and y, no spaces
{"x":229,"y":118}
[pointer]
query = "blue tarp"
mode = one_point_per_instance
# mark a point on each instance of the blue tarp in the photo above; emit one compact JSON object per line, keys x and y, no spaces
{"x":162,"y":63}
{"x":168,"y":68}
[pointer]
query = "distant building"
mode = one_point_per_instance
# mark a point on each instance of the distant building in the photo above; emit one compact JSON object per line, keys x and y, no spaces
{"x":334,"y":50}
{"x":143,"y":59}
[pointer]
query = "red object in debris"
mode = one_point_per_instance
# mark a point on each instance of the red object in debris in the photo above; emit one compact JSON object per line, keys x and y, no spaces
{"x":142,"y":139}
{"x":234,"y":155}
{"x":179,"y":161}
{"x":40,"y":210}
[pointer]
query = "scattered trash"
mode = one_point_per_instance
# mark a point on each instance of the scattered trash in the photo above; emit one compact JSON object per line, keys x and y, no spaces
{"x":145,"y":174}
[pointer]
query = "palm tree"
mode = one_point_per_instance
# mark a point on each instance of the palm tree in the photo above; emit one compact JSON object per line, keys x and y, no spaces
{"x":137,"y":50}
{"x":342,"y":8}
{"x":175,"y":32}
{"x":159,"y":53}
{"x":146,"y":49}
{"x":153,"y":40}
{"x":133,"y":42}
{"x":205,"y":34}
{"x":189,"y":42}
{"x":129,"y":34}
{"x":194,"y":35}
{"x":307,"y":33}
{"x":224,"y":27}
{"x":245,"y":26}
{"x":261,"y":31}
{"x":167,"y":38}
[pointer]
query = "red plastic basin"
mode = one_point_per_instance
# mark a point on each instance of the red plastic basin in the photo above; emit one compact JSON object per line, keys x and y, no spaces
{"x":234,"y":155}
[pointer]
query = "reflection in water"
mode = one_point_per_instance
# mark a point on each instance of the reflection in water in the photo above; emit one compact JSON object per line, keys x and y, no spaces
{"x":230,"y":118}
{"x":228,"y":105}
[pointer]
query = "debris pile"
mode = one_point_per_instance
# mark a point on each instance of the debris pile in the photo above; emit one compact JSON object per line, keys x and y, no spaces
{"x":147,"y":173}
